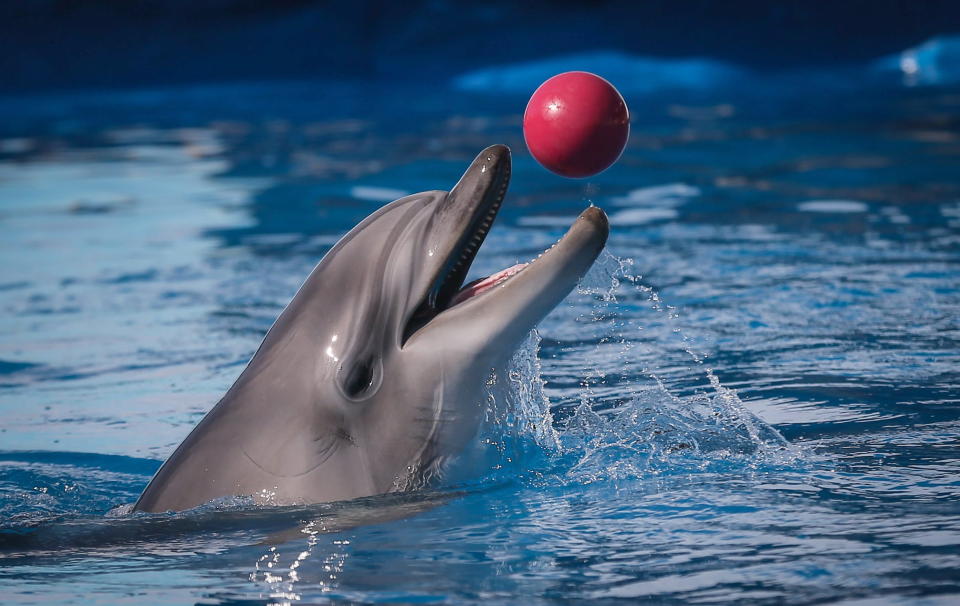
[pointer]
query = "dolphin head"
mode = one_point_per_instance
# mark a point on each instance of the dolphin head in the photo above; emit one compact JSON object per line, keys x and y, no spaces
{"x":372,"y":376}
{"x":411,"y":346}
{"x":399,"y":348}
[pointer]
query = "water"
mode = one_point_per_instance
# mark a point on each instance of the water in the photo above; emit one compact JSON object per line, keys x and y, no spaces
{"x":752,"y":397}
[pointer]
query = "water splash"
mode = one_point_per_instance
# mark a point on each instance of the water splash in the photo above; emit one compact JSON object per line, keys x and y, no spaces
{"x":517,"y":429}
{"x":647,"y":404}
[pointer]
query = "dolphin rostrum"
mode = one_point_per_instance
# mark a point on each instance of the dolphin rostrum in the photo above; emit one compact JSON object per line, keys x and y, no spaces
{"x":369,"y":379}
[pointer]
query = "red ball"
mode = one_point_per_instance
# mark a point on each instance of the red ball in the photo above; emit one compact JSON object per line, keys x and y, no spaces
{"x":576,"y":124}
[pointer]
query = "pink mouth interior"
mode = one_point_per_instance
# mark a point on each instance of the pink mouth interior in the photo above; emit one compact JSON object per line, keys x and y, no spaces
{"x":484,"y":284}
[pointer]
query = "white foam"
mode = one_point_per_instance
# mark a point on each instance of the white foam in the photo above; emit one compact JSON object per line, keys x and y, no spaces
{"x":642,"y":216}
{"x":272,"y":239}
{"x":832,"y":206}
{"x":670,"y":194}
{"x":934,"y":62}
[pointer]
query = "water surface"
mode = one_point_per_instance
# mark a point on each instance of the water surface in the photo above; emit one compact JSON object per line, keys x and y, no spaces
{"x":752,"y":397}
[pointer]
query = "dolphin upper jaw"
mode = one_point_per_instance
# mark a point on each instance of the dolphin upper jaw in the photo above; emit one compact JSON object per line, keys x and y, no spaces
{"x":458,"y":226}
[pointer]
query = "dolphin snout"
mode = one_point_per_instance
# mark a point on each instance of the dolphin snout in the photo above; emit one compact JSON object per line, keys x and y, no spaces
{"x":494,"y":155}
{"x":485,"y":181}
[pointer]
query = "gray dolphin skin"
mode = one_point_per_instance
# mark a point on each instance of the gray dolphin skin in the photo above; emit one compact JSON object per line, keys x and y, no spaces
{"x":372,"y":376}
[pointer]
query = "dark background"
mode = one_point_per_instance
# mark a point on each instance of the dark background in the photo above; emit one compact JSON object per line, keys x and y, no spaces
{"x":61,"y":44}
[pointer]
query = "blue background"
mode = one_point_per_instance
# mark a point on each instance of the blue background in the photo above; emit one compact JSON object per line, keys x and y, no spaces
{"x":752,"y":398}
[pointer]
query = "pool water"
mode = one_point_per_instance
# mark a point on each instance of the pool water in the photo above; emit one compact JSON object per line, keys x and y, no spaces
{"x":753,"y":396}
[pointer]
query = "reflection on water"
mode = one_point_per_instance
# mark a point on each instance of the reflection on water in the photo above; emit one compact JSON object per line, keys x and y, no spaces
{"x":752,"y":396}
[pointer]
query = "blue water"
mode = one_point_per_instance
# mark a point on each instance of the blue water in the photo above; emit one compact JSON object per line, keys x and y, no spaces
{"x":754,"y":395}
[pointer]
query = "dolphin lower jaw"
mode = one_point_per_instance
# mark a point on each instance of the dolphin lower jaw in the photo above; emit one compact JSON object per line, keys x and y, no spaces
{"x":495,"y":317}
{"x":480,"y":332}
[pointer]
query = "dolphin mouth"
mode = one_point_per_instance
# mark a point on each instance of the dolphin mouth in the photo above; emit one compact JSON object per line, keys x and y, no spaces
{"x":482,"y":285}
{"x":592,"y":217}
{"x":479,"y":196}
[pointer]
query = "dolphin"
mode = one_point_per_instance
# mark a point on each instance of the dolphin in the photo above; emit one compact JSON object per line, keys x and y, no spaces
{"x":369,"y":380}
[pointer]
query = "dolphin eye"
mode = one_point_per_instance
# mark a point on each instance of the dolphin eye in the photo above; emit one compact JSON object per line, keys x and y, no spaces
{"x":361,"y":378}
